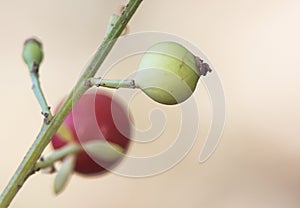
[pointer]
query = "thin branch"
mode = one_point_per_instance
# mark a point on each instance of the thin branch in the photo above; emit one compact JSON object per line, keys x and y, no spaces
{"x":36,"y":87}
{"x":112,"y":20}
{"x":111,"y":83}
{"x":33,"y":56}
{"x":57,"y":155}
{"x":27,"y":165}
{"x":96,"y":148}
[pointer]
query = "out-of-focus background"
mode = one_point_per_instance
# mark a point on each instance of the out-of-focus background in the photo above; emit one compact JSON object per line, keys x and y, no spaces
{"x":254,"y":47}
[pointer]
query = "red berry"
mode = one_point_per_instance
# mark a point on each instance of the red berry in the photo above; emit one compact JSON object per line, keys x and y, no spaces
{"x":96,"y":116}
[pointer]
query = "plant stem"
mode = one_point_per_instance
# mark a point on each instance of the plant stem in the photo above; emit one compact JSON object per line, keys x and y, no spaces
{"x":112,"y":20}
{"x":101,"y":149}
{"x":26,"y":167}
{"x":57,"y":155}
{"x":111,"y":83}
{"x":36,"y":87}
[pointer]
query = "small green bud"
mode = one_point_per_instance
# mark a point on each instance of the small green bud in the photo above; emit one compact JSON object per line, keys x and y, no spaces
{"x":33,"y":54}
{"x":168,"y":73}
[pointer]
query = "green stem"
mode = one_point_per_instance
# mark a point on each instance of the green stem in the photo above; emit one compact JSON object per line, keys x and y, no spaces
{"x":36,"y":87}
{"x":101,"y":149}
{"x":57,"y":155}
{"x":112,"y":20}
{"x":27,"y":165}
{"x":111,"y":83}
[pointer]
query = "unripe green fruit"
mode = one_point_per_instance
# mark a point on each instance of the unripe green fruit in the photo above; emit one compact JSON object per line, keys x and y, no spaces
{"x":168,"y":73}
{"x":33,"y":53}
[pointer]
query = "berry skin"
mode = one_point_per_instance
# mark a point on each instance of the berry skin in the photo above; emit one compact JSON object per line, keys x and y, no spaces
{"x":96,"y":116}
{"x":168,"y":73}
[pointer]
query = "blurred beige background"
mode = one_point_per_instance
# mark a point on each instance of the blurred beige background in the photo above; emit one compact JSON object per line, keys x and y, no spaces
{"x":254,"y":46}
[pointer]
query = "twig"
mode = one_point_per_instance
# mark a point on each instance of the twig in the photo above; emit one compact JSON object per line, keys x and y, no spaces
{"x":96,"y":148}
{"x":111,"y":83}
{"x":36,"y":87}
{"x":49,"y":161}
{"x":112,"y":20}
{"x":27,"y":165}
{"x":33,"y":56}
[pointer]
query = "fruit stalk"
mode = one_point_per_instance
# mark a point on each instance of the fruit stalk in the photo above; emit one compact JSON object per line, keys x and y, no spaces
{"x":111,"y":83}
{"x":36,"y":87}
{"x":26,"y":167}
{"x":57,"y":155}
{"x":33,"y":56}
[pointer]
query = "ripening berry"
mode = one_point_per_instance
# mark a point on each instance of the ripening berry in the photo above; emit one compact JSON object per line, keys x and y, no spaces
{"x":95,"y":117}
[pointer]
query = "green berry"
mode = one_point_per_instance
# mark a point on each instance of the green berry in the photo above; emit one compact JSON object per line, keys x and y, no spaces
{"x":168,"y":73}
{"x":33,"y":53}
